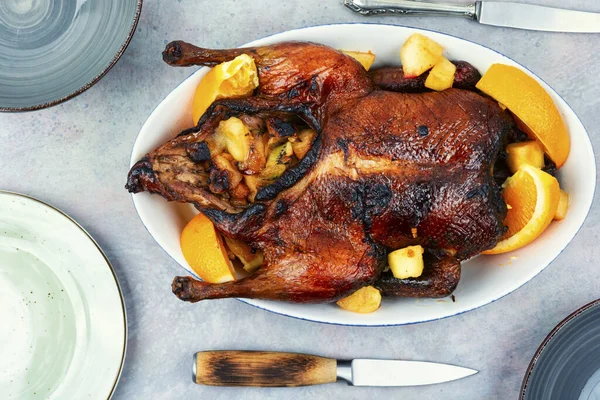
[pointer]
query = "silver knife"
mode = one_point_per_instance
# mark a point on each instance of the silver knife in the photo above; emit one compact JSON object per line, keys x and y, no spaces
{"x":273,"y":369}
{"x":507,"y":14}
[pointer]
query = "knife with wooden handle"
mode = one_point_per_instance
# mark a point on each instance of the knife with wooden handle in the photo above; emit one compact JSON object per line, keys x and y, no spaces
{"x":273,"y":369}
{"x":498,"y":13}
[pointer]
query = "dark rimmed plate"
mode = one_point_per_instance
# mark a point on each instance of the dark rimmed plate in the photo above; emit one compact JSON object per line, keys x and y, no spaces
{"x":52,"y":50}
{"x":567,"y":364}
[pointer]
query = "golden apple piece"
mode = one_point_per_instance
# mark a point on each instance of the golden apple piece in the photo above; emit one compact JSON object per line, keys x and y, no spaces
{"x":303,"y":142}
{"x":523,"y":153}
{"x":419,"y":54}
{"x":251,"y":259}
{"x":441,"y":76}
{"x":236,"y":137}
{"x":366,"y":59}
{"x":407,"y":262}
{"x":253,"y":182}
{"x":364,"y":301}
{"x":563,"y":206}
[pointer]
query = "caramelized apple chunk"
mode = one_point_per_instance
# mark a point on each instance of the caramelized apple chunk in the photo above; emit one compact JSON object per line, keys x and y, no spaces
{"x":366,"y":59}
{"x":303,"y":142}
{"x":364,"y":301}
{"x":441,"y":77}
{"x":407,"y":262}
{"x":419,"y":54}
{"x":523,"y":153}
{"x":251,"y":259}
{"x":236,"y":137}
{"x":563,"y":206}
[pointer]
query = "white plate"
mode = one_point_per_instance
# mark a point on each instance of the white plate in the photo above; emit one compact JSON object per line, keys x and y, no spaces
{"x":484,"y":279}
{"x":63,"y":329}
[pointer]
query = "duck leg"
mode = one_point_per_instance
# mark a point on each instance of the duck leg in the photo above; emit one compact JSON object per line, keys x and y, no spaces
{"x":439,"y":279}
{"x":183,"y":54}
{"x":316,"y":251}
{"x":301,"y":72}
{"x":299,"y":278}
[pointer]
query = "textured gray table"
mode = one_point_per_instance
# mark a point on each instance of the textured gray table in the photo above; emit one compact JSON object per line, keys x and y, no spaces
{"x":76,"y":156}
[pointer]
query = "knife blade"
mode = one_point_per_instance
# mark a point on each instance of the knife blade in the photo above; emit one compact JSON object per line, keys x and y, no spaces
{"x":539,"y":18}
{"x":275,"y":369}
{"x":505,"y":14}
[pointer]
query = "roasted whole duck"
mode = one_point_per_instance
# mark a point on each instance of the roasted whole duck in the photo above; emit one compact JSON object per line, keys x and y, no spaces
{"x":386,"y":170}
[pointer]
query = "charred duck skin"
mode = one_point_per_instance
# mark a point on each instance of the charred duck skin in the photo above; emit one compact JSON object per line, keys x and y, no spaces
{"x":386,"y":170}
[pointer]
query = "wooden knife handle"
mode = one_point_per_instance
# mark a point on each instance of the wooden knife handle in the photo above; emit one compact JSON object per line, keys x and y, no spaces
{"x":262,"y":368}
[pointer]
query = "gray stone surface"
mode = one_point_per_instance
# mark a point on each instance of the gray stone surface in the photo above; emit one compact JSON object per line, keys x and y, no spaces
{"x":76,"y":156}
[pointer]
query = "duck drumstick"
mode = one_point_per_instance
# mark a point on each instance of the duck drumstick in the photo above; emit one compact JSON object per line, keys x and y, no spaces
{"x":183,"y":54}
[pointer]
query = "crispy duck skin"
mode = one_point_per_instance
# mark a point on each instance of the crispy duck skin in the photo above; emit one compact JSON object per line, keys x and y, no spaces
{"x":386,"y":170}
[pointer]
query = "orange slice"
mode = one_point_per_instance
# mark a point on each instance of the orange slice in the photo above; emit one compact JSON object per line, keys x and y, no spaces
{"x":235,"y":78}
{"x":203,"y":249}
{"x":532,"y":198}
{"x":535,"y":112}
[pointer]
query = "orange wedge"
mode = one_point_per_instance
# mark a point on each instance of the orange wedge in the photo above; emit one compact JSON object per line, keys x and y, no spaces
{"x":535,"y":112}
{"x":532,"y":198}
{"x":203,"y":249}
{"x":235,"y":78}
